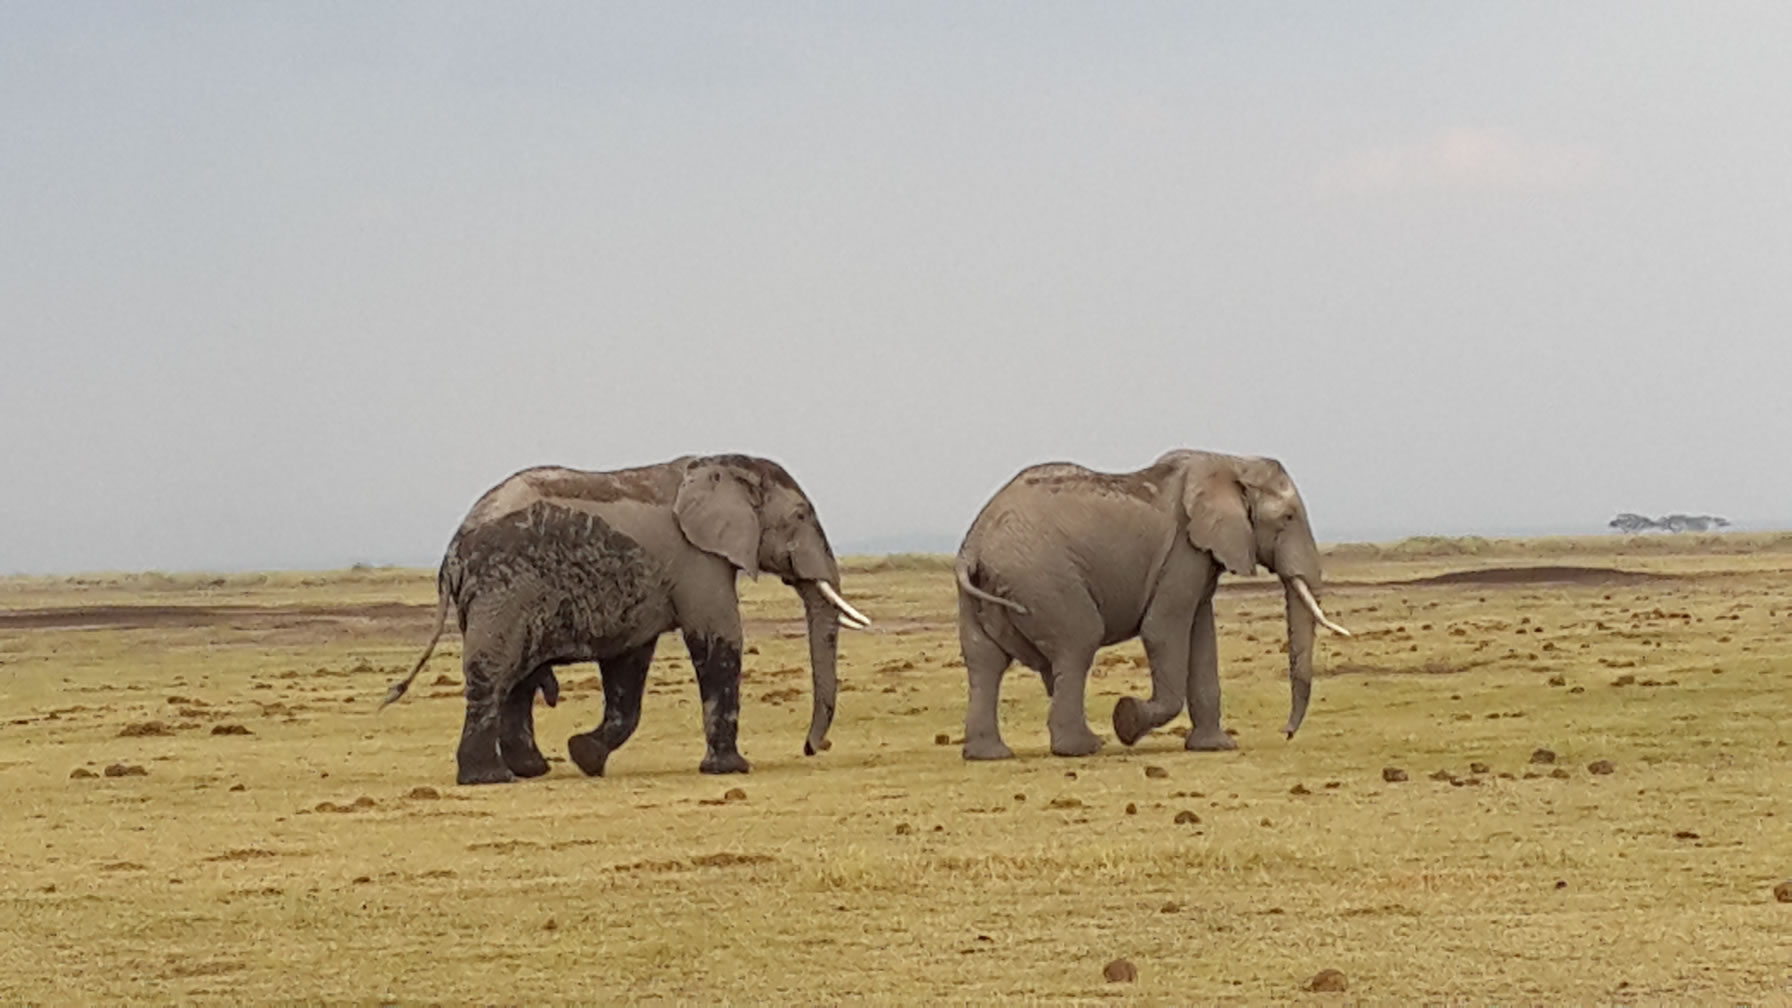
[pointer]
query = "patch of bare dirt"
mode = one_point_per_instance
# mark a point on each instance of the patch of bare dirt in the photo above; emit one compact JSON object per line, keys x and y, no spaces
{"x":145,"y":729}
{"x":1594,"y":576}
{"x":1328,"y":980}
{"x":244,"y":854}
{"x":245,"y":617}
{"x":1120,"y":971}
{"x":724,"y":859}
{"x":1430,"y":666}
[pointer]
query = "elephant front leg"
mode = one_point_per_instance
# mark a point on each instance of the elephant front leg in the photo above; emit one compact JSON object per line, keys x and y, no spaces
{"x":479,"y":760}
{"x":1204,"y":686}
{"x":717,"y":661}
{"x":1167,"y":648}
{"x":625,"y":679}
{"x":516,"y":723}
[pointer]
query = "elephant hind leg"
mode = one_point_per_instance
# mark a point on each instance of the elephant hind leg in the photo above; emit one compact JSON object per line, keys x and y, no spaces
{"x":1068,"y":722}
{"x":1068,"y":638}
{"x":625,"y":679}
{"x":985,"y":663}
{"x":516,"y":723}
{"x":479,"y":759}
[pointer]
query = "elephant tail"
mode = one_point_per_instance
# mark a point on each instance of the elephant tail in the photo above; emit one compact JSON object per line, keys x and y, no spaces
{"x":442,"y":591}
{"x":964,"y":567}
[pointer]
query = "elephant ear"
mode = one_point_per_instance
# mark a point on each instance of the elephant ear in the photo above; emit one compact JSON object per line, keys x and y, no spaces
{"x":1218,"y":520}
{"x":715,"y":511}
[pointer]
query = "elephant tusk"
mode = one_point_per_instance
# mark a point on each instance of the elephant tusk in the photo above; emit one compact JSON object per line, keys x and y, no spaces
{"x":1306,"y":596}
{"x":848,"y":615}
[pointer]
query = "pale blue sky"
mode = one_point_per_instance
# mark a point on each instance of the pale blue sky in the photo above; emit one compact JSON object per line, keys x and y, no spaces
{"x":291,"y":284}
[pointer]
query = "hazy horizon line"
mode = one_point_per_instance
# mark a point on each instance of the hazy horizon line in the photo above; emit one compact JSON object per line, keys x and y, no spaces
{"x":931,"y":543}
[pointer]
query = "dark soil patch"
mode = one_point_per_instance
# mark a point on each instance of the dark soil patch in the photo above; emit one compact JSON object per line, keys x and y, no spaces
{"x":153,"y":617}
{"x":373,"y":619}
{"x":1536,"y":575}
{"x":724,"y":859}
{"x":1328,"y":981}
{"x":1120,"y":971}
{"x":145,"y":729}
{"x":244,"y":854}
{"x":1430,"y":666}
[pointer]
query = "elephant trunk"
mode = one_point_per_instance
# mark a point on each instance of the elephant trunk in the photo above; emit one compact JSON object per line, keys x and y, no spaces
{"x":824,"y":647}
{"x":1302,"y":626}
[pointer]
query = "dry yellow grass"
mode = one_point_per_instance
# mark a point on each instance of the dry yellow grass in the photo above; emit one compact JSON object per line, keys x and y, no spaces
{"x":888,"y":870}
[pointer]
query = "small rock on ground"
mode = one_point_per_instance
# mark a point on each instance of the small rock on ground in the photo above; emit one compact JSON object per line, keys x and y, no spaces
{"x":1120,"y":971}
{"x":125,"y":770}
{"x":1603,"y":766}
{"x":1783,"y":891}
{"x":143,"y":729}
{"x":1328,"y":980}
{"x":1393,"y":774}
{"x":1543,"y":756}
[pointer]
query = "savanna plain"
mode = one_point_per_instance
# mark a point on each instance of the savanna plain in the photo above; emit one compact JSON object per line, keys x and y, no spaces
{"x":1541,"y":772}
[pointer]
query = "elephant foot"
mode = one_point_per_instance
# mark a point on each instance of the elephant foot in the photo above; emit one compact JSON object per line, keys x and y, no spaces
{"x":1130,"y":722}
{"x":1213,"y":740}
{"x":588,"y":753}
{"x":1085,"y":743}
{"x":986,"y":749}
{"x":721,"y":763}
{"x":498,"y":774}
{"x":526,"y":762}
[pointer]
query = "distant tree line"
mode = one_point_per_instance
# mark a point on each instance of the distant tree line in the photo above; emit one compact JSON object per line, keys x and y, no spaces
{"x":1630,"y":522}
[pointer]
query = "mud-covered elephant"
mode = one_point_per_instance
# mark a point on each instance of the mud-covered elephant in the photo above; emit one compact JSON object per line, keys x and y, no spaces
{"x":554,"y":566}
{"x":1064,"y":560}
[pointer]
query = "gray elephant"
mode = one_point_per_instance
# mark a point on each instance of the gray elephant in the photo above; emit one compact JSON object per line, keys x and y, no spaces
{"x":1064,"y":560}
{"x":554,"y":566}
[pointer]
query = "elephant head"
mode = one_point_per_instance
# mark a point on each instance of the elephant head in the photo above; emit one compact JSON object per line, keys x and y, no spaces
{"x":1245,"y":512}
{"x":750,"y":512}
